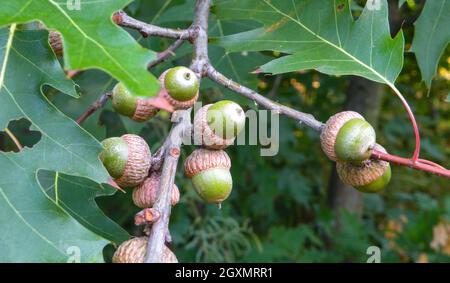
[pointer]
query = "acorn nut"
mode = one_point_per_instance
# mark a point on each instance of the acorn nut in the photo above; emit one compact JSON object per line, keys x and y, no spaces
{"x":217,"y":125}
{"x":180,"y":87}
{"x":137,"y":108}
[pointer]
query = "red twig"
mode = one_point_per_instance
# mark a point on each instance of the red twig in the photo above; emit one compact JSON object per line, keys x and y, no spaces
{"x":419,"y":164}
{"x":416,"y":153}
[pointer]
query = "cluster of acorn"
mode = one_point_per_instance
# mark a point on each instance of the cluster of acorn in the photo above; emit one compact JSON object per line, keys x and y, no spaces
{"x":349,"y":139}
{"x":128,"y":158}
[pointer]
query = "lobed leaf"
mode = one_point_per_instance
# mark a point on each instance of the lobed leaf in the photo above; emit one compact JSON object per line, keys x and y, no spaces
{"x":319,"y":35}
{"x":35,"y":227}
{"x":91,"y":39}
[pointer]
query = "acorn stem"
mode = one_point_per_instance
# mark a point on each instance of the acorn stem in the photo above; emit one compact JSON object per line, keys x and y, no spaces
{"x":419,"y":164}
{"x":416,"y":153}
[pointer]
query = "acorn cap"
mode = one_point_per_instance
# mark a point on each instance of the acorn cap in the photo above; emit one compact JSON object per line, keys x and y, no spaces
{"x":204,"y":159}
{"x":144,"y":111}
{"x":177,"y":104}
{"x":138,"y":162}
{"x":204,"y":135}
{"x":331,"y":130}
{"x":55,"y":41}
{"x":135,"y":249}
{"x":364,"y":174}
{"x":146,"y":194}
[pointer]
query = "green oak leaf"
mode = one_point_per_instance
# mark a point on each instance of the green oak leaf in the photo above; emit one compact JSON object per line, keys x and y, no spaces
{"x":319,"y":35}
{"x":431,"y":36}
{"x":91,"y":39}
{"x":77,"y":196}
{"x":237,"y":66}
{"x":35,"y":228}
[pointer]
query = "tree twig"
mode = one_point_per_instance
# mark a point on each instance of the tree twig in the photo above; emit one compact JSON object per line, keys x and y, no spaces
{"x":164,"y":55}
{"x":158,"y":231}
{"x":99,"y":103}
{"x":303,"y":118}
{"x":122,"y":19}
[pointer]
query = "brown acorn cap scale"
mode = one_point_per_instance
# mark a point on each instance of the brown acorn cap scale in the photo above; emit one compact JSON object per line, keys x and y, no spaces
{"x":204,"y":134}
{"x":146,"y":194}
{"x":204,"y":159}
{"x":144,"y":111}
{"x":331,"y":130}
{"x":135,"y":249}
{"x":138,"y":162}
{"x":55,"y":41}
{"x":361,"y":175}
{"x":175,"y":103}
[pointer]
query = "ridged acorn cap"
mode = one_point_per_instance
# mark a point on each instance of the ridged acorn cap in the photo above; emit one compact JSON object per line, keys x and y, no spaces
{"x":138,"y":163}
{"x":144,"y":111}
{"x":134,"y":251}
{"x":204,"y":135}
{"x":331,"y":130}
{"x":204,"y":159}
{"x":146,"y":194}
{"x":55,"y":41}
{"x":177,"y":104}
{"x":127,"y":159}
{"x":364,"y":174}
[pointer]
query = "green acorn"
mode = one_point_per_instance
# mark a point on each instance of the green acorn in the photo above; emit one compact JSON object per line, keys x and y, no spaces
{"x":137,"y":108}
{"x":180,"y":87}
{"x":217,"y":125}
{"x":369,"y":177}
{"x":348,"y":137}
{"x":127,"y":159}
{"x":210,"y":174}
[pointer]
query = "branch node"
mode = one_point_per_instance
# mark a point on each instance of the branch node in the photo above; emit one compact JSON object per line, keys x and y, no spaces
{"x":175,"y":152}
{"x":117,"y":17}
{"x":146,"y":216}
